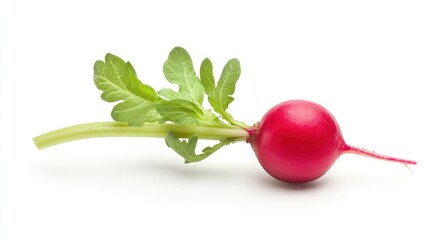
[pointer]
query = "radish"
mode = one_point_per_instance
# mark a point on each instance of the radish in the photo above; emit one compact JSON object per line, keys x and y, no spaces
{"x":296,"y":141}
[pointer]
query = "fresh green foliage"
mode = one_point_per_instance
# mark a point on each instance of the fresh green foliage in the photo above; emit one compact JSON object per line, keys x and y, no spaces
{"x":207,"y":78}
{"x":140,"y":103}
{"x":220,"y":95}
{"x":186,"y":149}
{"x":180,"y":111}
{"x":118,"y":81}
{"x":179,"y":69}
{"x":169,"y":93}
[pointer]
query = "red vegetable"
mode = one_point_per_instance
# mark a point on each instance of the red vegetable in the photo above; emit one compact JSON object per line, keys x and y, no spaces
{"x":298,"y":141}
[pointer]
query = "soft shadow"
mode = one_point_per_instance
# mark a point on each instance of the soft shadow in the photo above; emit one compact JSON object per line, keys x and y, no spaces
{"x":143,"y":170}
{"x":133,"y":168}
{"x":316,"y":184}
{"x":191,"y":170}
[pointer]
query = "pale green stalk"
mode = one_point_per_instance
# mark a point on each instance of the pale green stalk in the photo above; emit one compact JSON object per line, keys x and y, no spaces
{"x":118,"y":129}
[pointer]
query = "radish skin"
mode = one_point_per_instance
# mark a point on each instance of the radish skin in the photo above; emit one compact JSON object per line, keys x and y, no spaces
{"x":298,"y":141}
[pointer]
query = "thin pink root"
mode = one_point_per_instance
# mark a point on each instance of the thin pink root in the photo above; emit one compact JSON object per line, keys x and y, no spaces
{"x":364,"y":152}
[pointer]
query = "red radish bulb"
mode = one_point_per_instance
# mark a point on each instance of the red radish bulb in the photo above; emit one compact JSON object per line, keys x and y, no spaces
{"x":298,"y":141}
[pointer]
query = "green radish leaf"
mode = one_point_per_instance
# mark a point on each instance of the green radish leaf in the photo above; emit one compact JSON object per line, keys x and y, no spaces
{"x":119,"y":82}
{"x":207,"y":78}
{"x":180,"y":111}
{"x":222,"y":94}
{"x":169,"y":93}
{"x":186,"y":149}
{"x":179,"y":69}
{"x":135,"y":113}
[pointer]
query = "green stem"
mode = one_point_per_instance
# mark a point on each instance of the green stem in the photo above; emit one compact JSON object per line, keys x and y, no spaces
{"x":228,"y":117}
{"x":118,"y":129}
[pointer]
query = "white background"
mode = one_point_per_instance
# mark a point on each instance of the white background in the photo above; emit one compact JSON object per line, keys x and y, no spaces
{"x":366,"y":61}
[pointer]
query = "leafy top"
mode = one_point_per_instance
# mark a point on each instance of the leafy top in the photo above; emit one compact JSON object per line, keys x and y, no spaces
{"x":118,"y":81}
{"x":139,"y":103}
